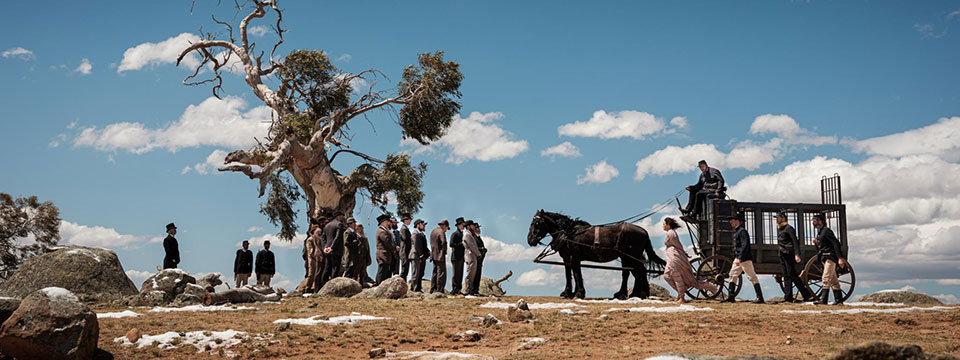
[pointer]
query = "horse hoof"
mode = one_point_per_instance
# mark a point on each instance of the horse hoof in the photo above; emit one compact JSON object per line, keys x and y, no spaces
{"x":580,"y":294}
{"x":566,"y":295}
{"x":620,"y":296}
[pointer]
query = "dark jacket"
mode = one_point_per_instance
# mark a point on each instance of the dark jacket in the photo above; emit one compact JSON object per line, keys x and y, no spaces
{"x":243,"y":263}
{"x":405,"y":241}
{"x":741,"y":245}
{"x":711,"y":179}
{"x":456,"y":243}
{"x":386,"y":250}
{"x":265,"y":263}
{"x":419,"y":248}
{"x":438,"y":244}
{"x":351,"y":241}
{"x":171,"y":249}
{"x":828,"y":246}
{"x":787,"y":239}
{"x":333,"y":237}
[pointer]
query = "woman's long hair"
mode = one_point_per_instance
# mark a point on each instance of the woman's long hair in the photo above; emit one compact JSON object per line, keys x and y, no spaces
{"x":673,"y":224}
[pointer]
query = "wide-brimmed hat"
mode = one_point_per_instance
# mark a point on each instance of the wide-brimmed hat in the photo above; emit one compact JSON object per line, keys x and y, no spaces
{"x":351,"y":220}
{"x":382,"y":218}
{"x":459,"y":221}
{"x":405,"y":217}
{"x":444,"y":222}
{"x":418,"y":222}
{"x":171,"y":226}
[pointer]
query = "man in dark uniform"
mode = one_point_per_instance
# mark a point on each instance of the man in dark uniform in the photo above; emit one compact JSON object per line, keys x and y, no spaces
{"x":386,"y":249}
{"x":332,"y":249}
{"x":405,"y":246}
{"x":266,"y":265}
{"x":395,"y":235}
{"x":171,"y":249}
{"x":471,"y":258}
{"x":243,"y":265}
{"x":830,"y":255}
{"x":418,"y":255}
{"x":351,"y":245}
{"x":789,"y":258}
{"x":483,"y":256}
{"x":438,"y":255}
{"x":711,"y":184}
{"x":456,"y":257}
{"x":743,"y":259}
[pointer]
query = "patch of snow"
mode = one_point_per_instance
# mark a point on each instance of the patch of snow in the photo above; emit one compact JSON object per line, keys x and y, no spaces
{"x":532,"y":306}
{"x":666,"y":357}
{"x":434,"y":355}
{"x":632,"y":300}
{"x":199,"y":339}
{"x":859,"y":303}
{"x":202,"y":308}
{"x":8,"y":298}
{"x":336,"y":320}
{"x":57,"y":293}
{"x":114,"y":315}
{"x":867,"y":310}
{"x":567,"y":312}
{"x":85,"y":252}
{"x":667,"y":309}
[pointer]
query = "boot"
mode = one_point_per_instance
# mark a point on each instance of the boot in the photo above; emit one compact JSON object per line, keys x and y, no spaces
{"x":756,"y":287}
{"x":824,"y":296}
{"x":837,"y":297}
{"x":807,"y":295}
{"x":730,"y":289}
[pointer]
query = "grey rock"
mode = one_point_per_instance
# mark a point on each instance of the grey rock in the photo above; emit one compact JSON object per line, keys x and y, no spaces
{"x":153,"y":298}
{"x":51,"y":323}
{"x":531,"y":343}
{"x":171,"y":282}
{"x":281,"y":327}
{"x":489,"y":321}
{"x":489,"y":288}
{"x":7,"y":307}
{"x":469,"y":335}
{"x":210,"y":281}
{"x":906,"y":297}
{"x":186,"y":299}
{"x":377,"y":353}
{"x":195,"y":290}
{"x":92,"y":274}
{"x":340,"y":287}
{"x":881,"y":350}
{"x":392,"y":288}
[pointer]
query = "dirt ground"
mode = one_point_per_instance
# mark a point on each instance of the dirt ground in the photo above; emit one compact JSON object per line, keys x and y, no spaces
{"x":430,"y":325}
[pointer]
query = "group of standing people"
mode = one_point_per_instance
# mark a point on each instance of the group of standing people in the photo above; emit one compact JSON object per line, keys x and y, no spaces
{"x":335,"y":246}
{"x":243,"y":265}
{"x":401,"y":250}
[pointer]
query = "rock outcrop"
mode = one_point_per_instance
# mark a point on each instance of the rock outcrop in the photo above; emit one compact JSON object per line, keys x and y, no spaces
{"x":166,"y":284}
{"x":392,"y":288}
{"x":7,"y":307}
{"x":880,"y":350}
{"x":92,"y":274}
{"x":905,"y":297}
{"x":340,"y":287}
{"x":50,"y":323}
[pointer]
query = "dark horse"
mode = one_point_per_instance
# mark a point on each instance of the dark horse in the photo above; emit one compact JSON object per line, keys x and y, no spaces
{"x":576,"y":240}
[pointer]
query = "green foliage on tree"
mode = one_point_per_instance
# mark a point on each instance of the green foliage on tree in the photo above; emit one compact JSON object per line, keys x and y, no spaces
{"x":27,"y":228}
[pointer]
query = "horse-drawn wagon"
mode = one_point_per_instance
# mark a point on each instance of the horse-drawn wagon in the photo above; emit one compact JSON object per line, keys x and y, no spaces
{"x":712,"y":237}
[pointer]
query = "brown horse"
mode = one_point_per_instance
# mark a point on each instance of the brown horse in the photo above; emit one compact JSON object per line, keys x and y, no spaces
{"x":576,"y":240}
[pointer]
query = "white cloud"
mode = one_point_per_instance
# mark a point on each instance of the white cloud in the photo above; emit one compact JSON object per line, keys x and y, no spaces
{"x":941,"y":138}
{"x":209,"y":165}
{"x":599,"y":173}
{"x":565,"y":149}
{"x":949,"y":282}
{"x":97,"y":236}
{"x":786,"y":128}
{"x":615,"y":125}
{"x":258,"y":30}
{"x":674,"y":159}
{"x":138,"y":276}
{"x":947,"y":298}
{"x":500,"y":251}
{"x":161,"y":53}
{"x":344,"y":58}
{"x":19,"y":52}
{"x":679,"y":121}
{"x":254,"y":229}
{"x":85,"y":68}
{"x":540,"y":277}
{"x":475,"y":137}
{"x":213,"y":122}
{"x":275,"y":242}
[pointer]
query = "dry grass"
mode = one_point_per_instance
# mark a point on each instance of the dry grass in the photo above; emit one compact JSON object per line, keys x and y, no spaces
{"x":419,"y":325}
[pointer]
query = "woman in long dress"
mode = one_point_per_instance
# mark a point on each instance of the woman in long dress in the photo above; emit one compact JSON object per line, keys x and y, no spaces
{"x":678,"y":272}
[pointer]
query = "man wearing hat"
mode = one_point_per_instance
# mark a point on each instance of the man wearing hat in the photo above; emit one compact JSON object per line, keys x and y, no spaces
{"x":395,"y":235}
{"x":386,"y":250}
{"x":456,"y":257}
{"x":743,"y":259}
{"x":418,"y":255}
{"x":171,"y":248}
{"x":351,"y":244}
{"x":243,"y":265}
{"x":438,"y":255}
{"x":405,"y":246}
{"x":266,"y":265}
{"x":789,"y":246}
{"x":332,"y":249}
{"x":472,"y":258}
{"x":710,"y":184}
{"x":483,"y":255}
{"x":829,"y":253}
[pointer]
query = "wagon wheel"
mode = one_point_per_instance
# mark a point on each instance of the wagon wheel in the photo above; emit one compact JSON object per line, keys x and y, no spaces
{"x":813,"y":273}
{"x":715,"y":269}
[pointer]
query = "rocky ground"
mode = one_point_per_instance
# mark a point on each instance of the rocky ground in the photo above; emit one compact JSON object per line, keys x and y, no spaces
{"x":314,"y":329}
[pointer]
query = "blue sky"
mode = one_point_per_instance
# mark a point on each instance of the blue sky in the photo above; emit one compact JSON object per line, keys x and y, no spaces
{"x":774,"y":93}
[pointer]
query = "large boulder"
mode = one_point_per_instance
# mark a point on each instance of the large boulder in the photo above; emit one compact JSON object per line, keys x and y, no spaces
{"x":880,"y":350}
{"x":340,"y":287}
{"x":170,"y":282}
{"x":392,"y":288}
{"x":7,"y":307}
{"x":905,"y":297}
{"x":488,"y":287}
{"x":92,"y":274}
{"x":50,"y":323}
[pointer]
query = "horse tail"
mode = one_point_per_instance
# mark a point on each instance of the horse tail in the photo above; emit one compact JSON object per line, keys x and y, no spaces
{"x":655,"y":263}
